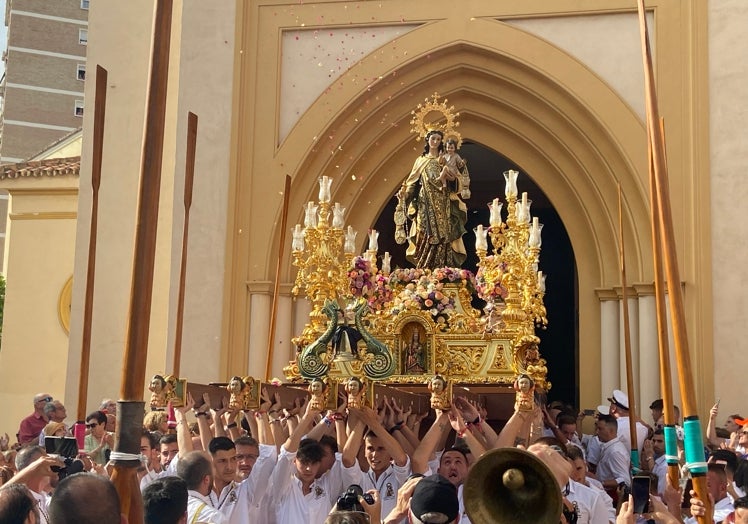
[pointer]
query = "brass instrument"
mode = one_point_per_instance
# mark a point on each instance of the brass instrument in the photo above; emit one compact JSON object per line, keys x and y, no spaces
{"x":511,"y":486}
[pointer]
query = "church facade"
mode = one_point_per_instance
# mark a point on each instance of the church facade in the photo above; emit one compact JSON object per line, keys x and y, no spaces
{"x":327,"y":88}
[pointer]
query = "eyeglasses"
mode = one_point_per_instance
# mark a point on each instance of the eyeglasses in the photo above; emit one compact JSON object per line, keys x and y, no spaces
{"x":45,"y":399}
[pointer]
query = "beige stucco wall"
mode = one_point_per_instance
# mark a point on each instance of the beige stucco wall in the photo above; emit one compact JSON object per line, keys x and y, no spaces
{"x":41,"y":240}
{"x":728,"y":92}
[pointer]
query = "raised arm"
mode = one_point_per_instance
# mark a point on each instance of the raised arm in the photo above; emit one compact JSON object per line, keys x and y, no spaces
{"x":388,"y":441}
{"x":513,"y":428}
{"x":201,"y":413}
{"x":425,"y":450}
{"x":463,"y":432}
{"x":184,"y":439}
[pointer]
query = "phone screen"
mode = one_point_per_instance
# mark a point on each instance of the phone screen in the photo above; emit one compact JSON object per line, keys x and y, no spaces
{"x":640,"y":492}
{"x":64,"y":446}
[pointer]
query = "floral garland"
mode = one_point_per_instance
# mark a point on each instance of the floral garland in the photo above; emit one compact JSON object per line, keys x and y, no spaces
{"x":426,"y":294}
{"x":360,"y":278}
{"x":488,"y":280}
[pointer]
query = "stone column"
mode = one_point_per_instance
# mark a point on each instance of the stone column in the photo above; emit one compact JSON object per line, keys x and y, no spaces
{"x":260,"y":302}
{"x":649,"y":359}
{"x":609,"y":345}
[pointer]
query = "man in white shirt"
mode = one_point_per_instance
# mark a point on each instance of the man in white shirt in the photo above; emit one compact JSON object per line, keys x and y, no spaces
{"x":389,"y":465}
{"x":619,"y":408}
{"x":614,"y":466}
{"x":196,"y":469}
{"x":716,"y":485}
{"x":296,"y":495}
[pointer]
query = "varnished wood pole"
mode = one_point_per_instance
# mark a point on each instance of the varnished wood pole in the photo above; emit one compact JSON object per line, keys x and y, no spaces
{"x":97,"y":156}
{"x":131,"y":404}
{"x":666,"y":386}
{"x":694,"y":442}
{"x":189,"y":176}
{"x":627,"y":338}
{"x":276,"y":285}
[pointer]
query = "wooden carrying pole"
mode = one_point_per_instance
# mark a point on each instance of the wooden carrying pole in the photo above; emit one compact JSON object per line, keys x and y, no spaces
{"x":627,"y":339}
{"x":97,"y":156}
{"x":130,"y":407}
{"x":276,"y":286}
{"x":189,"y":176}
{"x":666,"y":386}
{"x":694,"y":443}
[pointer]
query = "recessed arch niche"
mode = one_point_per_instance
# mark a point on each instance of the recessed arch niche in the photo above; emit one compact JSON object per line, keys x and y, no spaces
{"x":517,"y":95}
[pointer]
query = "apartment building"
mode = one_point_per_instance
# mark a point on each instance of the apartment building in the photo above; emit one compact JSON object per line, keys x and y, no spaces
{"x":45,"y":68}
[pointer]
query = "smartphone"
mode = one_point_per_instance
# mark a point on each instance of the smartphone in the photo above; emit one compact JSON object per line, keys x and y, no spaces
{"x":589,"y":412}
{"x":63,"y":446}
{"x":640,"y":486}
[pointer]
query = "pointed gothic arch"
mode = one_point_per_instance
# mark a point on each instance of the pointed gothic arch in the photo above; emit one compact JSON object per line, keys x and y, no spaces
{"x":517,"y":94}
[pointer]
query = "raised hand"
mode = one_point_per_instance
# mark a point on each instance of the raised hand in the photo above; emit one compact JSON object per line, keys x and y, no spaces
{"x":266,"y":403}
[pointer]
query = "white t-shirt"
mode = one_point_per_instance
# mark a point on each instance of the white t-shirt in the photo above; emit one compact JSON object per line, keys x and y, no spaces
{"x":291,"y":505}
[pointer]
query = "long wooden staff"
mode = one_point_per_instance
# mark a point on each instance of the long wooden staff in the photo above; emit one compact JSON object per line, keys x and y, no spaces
{"x":98,"y":152}
{"x":276,"y":285}
{"x":627,"y":340}
{"x":130,"y":407}
{"x":189,"y":176}
{"x":666,"y":386}
{"x":694,"y":443}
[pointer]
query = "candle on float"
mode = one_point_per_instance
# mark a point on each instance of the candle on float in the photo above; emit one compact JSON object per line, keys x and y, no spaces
{"x":495,"y":211}
{"x":350,"y":241}
{"x":481,"y":243}
{"x":373,"y":236}
{"x":386,"y":259}
{"x":510,"y":189}
{"x":324,"y":188}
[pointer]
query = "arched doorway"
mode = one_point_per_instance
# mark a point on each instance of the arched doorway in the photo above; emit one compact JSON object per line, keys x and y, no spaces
{"x":518,"y":95}
{"x":560,"y":341}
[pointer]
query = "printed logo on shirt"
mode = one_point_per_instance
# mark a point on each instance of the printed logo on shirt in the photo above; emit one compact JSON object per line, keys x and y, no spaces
{"x":319,"y":492}
{"x":390,"y":492}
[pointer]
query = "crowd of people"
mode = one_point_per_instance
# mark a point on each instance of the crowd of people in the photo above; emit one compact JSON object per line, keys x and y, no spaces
{"x":290,"y":464}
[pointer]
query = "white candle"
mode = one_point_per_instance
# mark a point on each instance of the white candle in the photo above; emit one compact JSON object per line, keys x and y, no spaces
{"x":350,"y":241}
{"x":324,"y":188}
{"x":510,"y":189}
{"x":495,"y":210}
{"x":481,"y":243}
{"x":337,"y":216}
{"x":373,"y":236}
{"x":534,"y":240}
{"x":541,"y":281}
{"x":298,"y":238}
{"x":310,"y":217}
{"x":386,"y":263}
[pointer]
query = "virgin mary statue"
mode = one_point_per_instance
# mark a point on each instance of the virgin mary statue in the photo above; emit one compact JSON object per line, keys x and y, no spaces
{"x":437,"y":214}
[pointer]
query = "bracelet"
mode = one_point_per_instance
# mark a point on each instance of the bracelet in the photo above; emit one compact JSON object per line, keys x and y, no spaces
{"x":201,"y":414}
{"x":475,"y":422}
{"x":278,"y":420}
{"x":336,"y":416}
{"x":396,"y":427}
{"x":231,"y":426}
{"x":327,"y":421}
{"x":461,"y":433}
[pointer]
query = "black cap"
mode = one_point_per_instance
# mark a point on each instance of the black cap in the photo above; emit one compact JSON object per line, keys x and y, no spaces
{"x":435,"y":500}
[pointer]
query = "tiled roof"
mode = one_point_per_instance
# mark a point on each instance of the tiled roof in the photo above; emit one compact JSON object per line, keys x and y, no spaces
{"x":41,"y":168}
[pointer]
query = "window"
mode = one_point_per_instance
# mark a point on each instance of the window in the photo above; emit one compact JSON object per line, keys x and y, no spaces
{"x":83,"y":36}
{"x":79,"y":108}
{"x":84,"y":4}
{"x":81,"y":72}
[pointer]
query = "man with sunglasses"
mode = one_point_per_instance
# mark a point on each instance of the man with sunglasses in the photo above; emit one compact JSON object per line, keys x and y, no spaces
{"x":32,"y":425}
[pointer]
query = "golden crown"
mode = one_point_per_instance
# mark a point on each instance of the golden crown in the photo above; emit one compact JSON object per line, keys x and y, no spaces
{"x":445,"y":122}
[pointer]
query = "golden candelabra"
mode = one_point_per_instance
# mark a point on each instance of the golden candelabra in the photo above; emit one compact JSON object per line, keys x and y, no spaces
{"x":513,"y":264}
{"x":323,"y":251}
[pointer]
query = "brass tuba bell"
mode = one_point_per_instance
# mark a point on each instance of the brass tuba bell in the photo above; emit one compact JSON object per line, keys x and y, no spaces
{"x":511,"y":486}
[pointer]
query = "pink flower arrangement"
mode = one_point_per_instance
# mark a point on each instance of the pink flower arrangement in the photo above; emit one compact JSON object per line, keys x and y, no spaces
{"x":382,"y":294}
{"x":360,"y":278}
{"x":426,"y":294}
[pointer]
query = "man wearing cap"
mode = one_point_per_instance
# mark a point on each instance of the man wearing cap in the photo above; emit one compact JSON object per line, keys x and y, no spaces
{"x":32,"y":425}
{"x":433,"y":499}
{"x":619,"y":408}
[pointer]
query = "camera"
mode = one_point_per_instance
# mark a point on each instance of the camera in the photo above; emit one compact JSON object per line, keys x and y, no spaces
{"x":348,"y":501}
{"x":72,"y":466}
